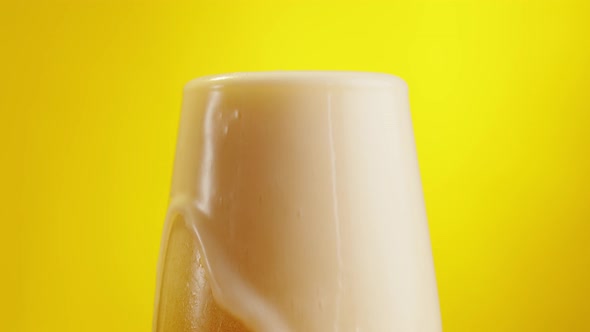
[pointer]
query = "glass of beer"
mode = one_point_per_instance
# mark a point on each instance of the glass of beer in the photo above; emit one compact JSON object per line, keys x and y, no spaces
{"x":296,"y":205}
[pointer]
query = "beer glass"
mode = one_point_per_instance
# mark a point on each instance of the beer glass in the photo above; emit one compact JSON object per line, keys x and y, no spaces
{"x":296,"y":205}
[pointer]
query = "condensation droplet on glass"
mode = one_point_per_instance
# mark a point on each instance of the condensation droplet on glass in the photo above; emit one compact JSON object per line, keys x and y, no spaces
{"x":321,"y":305}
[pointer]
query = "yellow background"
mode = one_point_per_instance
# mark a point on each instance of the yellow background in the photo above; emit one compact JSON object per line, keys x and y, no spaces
{"x":90,"y":96}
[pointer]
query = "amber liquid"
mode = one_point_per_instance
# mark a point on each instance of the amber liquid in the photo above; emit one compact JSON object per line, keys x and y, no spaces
{"x":187,"y":303}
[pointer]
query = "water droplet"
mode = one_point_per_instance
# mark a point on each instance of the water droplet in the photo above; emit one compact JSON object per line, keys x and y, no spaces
{"x":225,"y":129}
{"x":236,"y":114}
